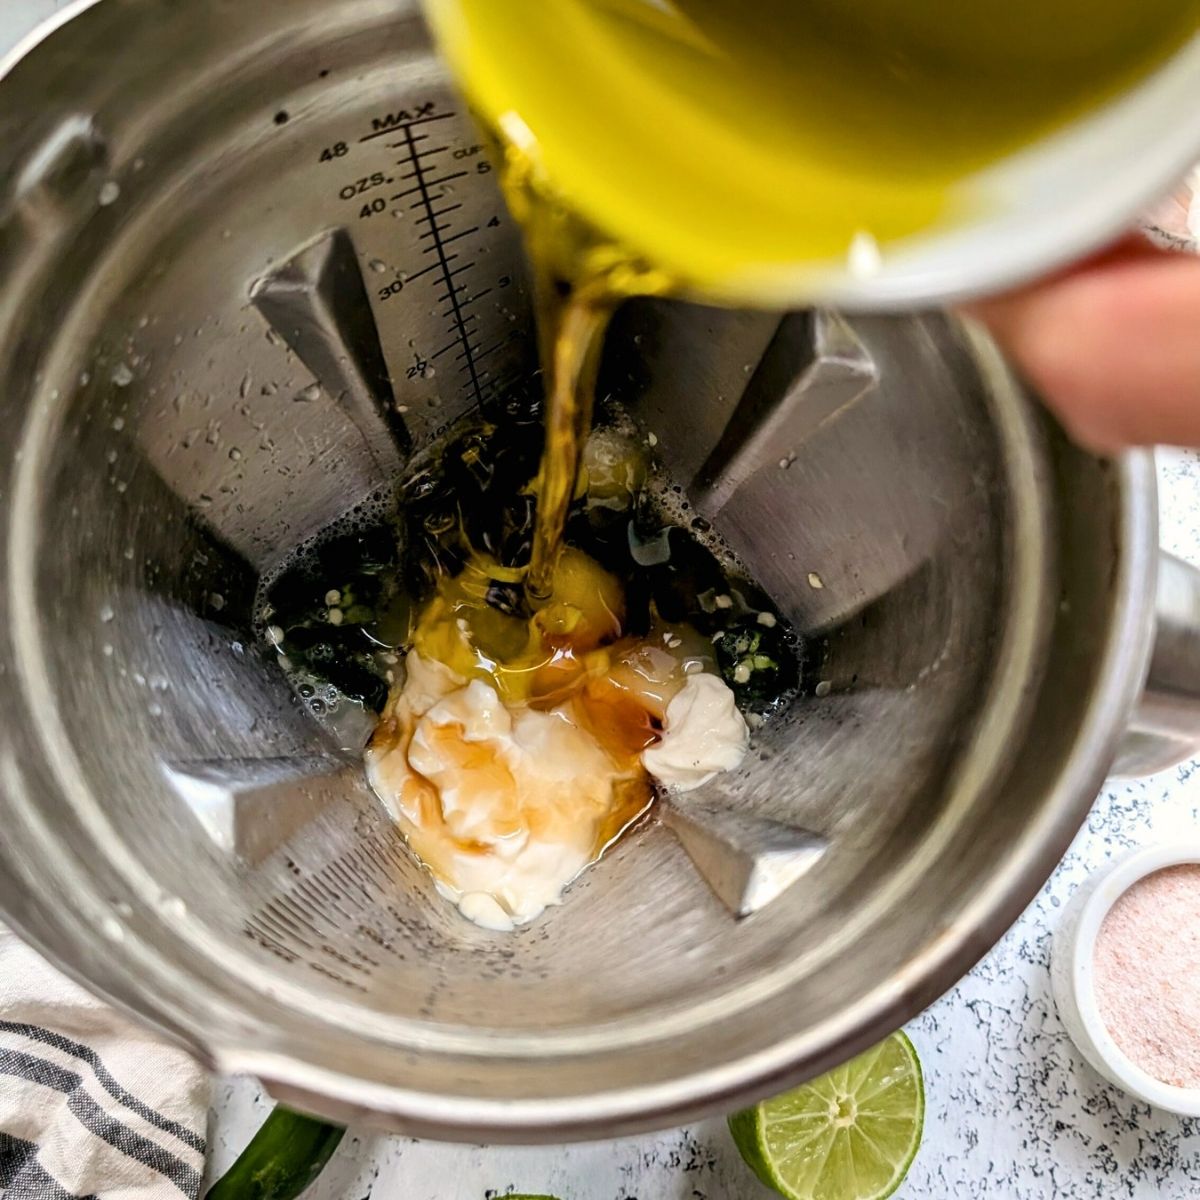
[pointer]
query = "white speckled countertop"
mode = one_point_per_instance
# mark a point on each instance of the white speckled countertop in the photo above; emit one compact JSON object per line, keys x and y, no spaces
{"x":1013,"y":1111}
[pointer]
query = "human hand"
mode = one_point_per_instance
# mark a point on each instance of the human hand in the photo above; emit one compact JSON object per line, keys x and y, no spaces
{"x":1112,"y":344}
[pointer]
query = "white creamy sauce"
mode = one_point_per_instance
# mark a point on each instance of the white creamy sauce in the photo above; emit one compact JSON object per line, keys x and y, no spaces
{"x":507,"y":805}
{"x":704,"y":734}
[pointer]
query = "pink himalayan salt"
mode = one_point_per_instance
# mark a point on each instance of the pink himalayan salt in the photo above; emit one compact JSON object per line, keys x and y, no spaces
{"x":1147,"y":974}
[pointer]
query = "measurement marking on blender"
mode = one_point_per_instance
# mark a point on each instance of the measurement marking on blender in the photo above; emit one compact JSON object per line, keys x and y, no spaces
{"x":504,"y":341}
{"x":422,"y":271}
{"x":429,"y":183}
{"x":390,"y":124}
{"x":434,"y":230}
{"x":423,"y":154}
{"x":438,"y":246}
{"x":468,"y":300}
{"x":465,"y":233}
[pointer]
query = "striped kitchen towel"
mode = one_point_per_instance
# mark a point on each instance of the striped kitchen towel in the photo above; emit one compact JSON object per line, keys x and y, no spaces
{"x":91,"y":1105}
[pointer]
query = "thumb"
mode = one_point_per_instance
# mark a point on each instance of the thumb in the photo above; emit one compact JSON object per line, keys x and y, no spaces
{"x":1112,"y":345}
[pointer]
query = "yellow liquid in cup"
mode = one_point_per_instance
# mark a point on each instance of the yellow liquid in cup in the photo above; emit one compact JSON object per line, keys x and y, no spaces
{"x":731,"y":142}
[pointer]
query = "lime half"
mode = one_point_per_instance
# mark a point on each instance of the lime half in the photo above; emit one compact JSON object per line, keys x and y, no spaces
{"x":850,"y":1135}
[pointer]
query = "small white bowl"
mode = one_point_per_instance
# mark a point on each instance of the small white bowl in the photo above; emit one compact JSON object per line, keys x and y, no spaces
{"x":1072,"y":975}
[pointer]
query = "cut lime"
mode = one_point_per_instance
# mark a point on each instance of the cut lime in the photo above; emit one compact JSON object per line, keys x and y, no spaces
{"x":850,"y":1135}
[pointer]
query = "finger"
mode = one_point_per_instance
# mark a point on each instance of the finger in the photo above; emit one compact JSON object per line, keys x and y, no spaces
{"x":1113,"y":346}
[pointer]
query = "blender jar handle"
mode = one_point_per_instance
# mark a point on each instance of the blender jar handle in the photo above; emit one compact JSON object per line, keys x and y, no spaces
{"x":1165,"y":728}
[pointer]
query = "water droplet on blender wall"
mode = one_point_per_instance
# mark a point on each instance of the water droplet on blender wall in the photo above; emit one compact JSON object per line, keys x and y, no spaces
{"x":154,"y":709}
{"x":107,"y":650}
{"x":112,"y":929}
{"x":274,"y":338}
{"x":122,"y":376}
{"x":815,"y":581}
{"x":217,"y":601}
{"x":111,"y":456}
{"x":118,"y":424}
{"x":235,"y":455}
{"x":244,"y":390}
{"x":143,"y":321}
{"x":823,"y":688}
{"x":84,"y":378}
{"x":269,"y":389}
{"x":109,"y":193}
{"x":106,"y":613}
{"x":310,"y":393}
{"x":378,"y":265}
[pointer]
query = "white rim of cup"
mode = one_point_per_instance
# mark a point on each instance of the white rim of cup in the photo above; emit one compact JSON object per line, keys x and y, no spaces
{"x":1110,"y":888}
